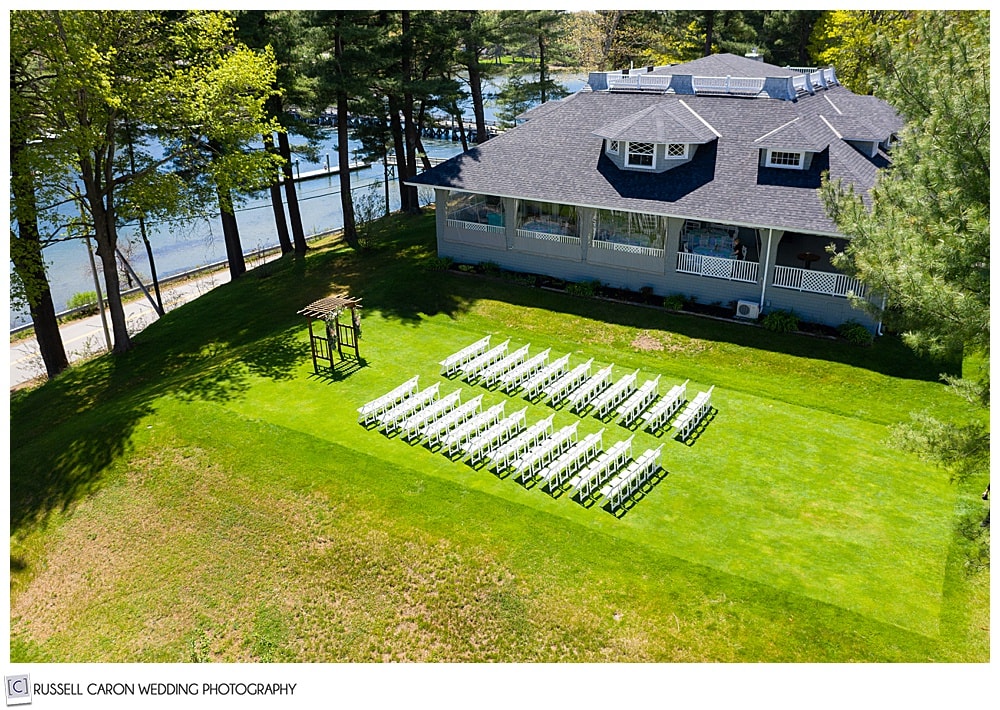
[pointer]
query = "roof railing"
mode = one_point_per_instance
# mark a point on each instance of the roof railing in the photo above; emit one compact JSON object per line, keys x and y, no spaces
{"x":639,"y":82}
{"x":730,"y":85}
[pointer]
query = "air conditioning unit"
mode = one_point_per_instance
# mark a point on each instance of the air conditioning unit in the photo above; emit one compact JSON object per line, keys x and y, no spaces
{"x":747,"y":309}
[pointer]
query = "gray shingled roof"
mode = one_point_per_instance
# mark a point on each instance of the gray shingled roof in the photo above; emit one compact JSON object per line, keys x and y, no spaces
{"x":556,"y":157}
{"x":658,"y":124}
{"x":808,"y":133}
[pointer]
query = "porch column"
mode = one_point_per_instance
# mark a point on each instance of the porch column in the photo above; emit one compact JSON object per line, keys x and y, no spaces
{"x":585,"y":225}
{"x":772,"y":237}
{"x":509,"y":220}
{"x":440,"y":214}
{"x":672,"y":245}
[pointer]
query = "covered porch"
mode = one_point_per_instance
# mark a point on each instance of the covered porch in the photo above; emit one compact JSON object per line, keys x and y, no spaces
{"x":802,"y":263}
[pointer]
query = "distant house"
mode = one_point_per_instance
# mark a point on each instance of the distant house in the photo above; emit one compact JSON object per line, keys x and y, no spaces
{"x":700,"y":179}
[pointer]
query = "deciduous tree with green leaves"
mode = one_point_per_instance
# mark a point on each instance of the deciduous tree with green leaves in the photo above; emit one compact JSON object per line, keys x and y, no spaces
{"x":924,"y":239}
{"x":852,"y":42}
{"x":181,"y":77}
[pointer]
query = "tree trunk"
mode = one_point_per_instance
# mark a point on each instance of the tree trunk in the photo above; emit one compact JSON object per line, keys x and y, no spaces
{"x":541,"y":64}
{"x":461,"y":134}
{"x":280,"y":225}
{"x":231,"y":235}
{"x":476,"y":91}
{"x":709,"y":29}
{"x":230,"y":230}
{"x":399,"y":147}
{"x":609,"y":37}
{"x":344,"y":160}
{"x":26,"y":254}
{"x":106,"y":236}
{"x":298,"y":235}
{"x":343,"y":148}
{"x":409,"y":127}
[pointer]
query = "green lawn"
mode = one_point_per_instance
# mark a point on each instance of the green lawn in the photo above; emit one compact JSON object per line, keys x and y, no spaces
{"x":207,"y":497}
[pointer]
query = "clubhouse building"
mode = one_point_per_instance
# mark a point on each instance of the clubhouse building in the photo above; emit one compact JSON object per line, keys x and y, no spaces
{"x":700,"y":179}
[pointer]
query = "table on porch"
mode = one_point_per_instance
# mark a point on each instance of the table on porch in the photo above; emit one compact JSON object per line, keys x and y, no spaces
{"x":807,"y":258}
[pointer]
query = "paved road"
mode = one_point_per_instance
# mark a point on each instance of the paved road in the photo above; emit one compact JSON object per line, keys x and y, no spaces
{"x":84,"y":338}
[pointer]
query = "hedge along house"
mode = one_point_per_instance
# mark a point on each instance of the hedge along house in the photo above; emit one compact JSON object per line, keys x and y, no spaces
{"x":700,"y":179}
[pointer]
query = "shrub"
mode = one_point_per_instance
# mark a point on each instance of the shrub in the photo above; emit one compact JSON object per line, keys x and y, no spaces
{"x":674,"y":302}
{"x":489,"y":268}
{"x":583,"y":288}
{"x":781,"y":321}
{"x":371,"y":221}
{"x":466,"y":268}
{"x":86,"y":299}
{"x":442,"y":263}
{"x":855,"y":333}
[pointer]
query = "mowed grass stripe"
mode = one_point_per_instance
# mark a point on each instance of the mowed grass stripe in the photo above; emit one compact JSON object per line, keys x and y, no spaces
{"x":360,"y":560}
{"x":830,"y":514}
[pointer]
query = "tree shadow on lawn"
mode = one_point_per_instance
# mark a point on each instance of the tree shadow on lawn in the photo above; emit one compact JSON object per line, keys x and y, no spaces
{"x":67,"y":432}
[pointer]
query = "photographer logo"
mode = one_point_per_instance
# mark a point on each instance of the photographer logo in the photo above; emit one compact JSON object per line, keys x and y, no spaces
{"x":18,"y":688}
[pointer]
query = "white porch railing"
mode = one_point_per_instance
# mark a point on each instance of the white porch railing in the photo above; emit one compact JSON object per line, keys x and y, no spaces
{"x":717,"y":267}
{"x":825,"y":282}
{"x":547,"y":237}
{"x":475,"y":226}
{"x":628,"y":248}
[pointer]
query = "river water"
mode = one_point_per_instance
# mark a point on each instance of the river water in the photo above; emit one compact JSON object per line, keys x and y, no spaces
{"x":184,"y":245}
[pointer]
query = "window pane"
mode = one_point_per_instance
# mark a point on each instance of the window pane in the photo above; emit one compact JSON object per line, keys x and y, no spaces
{"x":484,"y":209}
{"x":547,"y":217}
{"x":640,"y":153}
{"x":644,"y":230}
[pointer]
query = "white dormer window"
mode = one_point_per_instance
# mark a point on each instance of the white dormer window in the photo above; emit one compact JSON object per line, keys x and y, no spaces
{"x":792,"y":160}
{"x":613,"y":147}
{"x":677,"y":150}
{"x":641,"y":155}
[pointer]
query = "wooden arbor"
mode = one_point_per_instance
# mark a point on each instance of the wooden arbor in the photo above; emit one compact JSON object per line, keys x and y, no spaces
{"x":334,"y":334}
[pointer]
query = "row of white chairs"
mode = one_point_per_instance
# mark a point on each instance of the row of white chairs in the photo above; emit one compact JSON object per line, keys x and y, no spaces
{"x":436,"y":430}
{"x":558,"y":390}
{"x":659,"y":414}
{"x":632,"y":407}
{"x":501,"y":367}
{"x":478,"y":447}
{"x":470,"y":370}
{"x":617,"y":393}
{"x":451,"y":364}
{"x":371,"y":411}
{"x":595,"y":384}
{"x":391,"y":418}
{"x":413,"y":425}
{"x":514,"y":378}
{"x":598,"y":470}
{"x":513,"y":449}
{"x":546,"y":376}
{"x":632,"y":478}
{"x":456,"y":438}
{"x":571,"y":460}
{"x":696,"y":410}
{"x":532,"y":462}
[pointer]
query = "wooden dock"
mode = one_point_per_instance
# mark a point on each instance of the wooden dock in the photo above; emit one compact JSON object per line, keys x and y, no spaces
{"x":328,"y":171}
